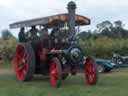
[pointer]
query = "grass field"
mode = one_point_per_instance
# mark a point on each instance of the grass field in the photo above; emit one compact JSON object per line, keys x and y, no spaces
{"x":110,"y":84}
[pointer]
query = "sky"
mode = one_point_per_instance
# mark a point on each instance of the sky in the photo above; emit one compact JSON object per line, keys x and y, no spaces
{"x":97,"y":10}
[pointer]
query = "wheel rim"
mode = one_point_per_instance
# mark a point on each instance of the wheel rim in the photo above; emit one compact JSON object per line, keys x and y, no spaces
{"x":90,"y":71}
{"x":53,"y":74}
{"x":20,"y":62}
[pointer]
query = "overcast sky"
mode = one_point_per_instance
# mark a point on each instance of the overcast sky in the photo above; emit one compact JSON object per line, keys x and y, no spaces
{"x":97,"y":10}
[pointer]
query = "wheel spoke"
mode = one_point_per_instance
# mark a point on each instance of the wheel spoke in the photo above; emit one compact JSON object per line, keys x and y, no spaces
{"x":91,"y":69}
{"x":21,"y":62}
{"x":54,"y":72}
{"x":21,"y":67}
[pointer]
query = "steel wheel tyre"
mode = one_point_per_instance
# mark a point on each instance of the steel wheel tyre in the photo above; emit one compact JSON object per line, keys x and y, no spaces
{"x":24,"y":62}
{"x":90,"y":71}
{"x":55,"y":72}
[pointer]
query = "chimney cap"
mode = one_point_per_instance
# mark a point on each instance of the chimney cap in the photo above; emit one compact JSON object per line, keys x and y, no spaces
{"x":72,"y":4}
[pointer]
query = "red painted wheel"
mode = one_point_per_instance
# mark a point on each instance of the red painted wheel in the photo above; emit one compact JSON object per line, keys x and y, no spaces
{"x":55,"y":71}
{"x":24,"y":62}
{"x":90,"y":71}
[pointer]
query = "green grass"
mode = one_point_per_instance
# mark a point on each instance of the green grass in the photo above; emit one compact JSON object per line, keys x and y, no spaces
{"x":111,"y":84}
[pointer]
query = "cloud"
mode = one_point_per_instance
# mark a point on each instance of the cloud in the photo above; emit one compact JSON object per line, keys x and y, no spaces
{"x":7,"y":3}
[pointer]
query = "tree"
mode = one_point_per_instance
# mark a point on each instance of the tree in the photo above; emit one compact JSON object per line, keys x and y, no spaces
{"x":105,"y":25}
{"x":84,"y":35}
{"x":118,"y":24}
{"x":119,"y":30}
{"x":6,"y":34}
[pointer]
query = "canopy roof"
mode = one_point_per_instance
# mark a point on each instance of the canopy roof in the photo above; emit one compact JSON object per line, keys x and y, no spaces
{"x":50,"y":21}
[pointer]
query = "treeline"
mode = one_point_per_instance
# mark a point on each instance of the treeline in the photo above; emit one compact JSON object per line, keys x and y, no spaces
{"x":104,"y":47}
{"x":114,"y":30}
{"x":7,"y":46}
{"x":105,"y":39}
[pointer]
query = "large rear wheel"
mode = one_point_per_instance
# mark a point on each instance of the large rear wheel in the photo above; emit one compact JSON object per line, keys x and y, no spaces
{"x":90,"y":71}
{"x":24,"y":62}
{"x":55,"y":72}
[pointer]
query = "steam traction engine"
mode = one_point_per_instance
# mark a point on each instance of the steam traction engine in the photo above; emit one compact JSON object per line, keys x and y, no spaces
{"x":50,"y":46}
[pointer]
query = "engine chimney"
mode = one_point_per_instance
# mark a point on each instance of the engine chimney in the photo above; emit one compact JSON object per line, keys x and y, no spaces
{"x":71,"y":13}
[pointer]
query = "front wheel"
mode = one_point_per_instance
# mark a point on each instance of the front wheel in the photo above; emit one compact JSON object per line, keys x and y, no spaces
{"x":55,"y":71}
{"x":90,"y":71}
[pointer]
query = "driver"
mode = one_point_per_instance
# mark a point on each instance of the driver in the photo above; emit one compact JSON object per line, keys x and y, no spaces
{"x":21,"y":35}
{"x":33,"y":32}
